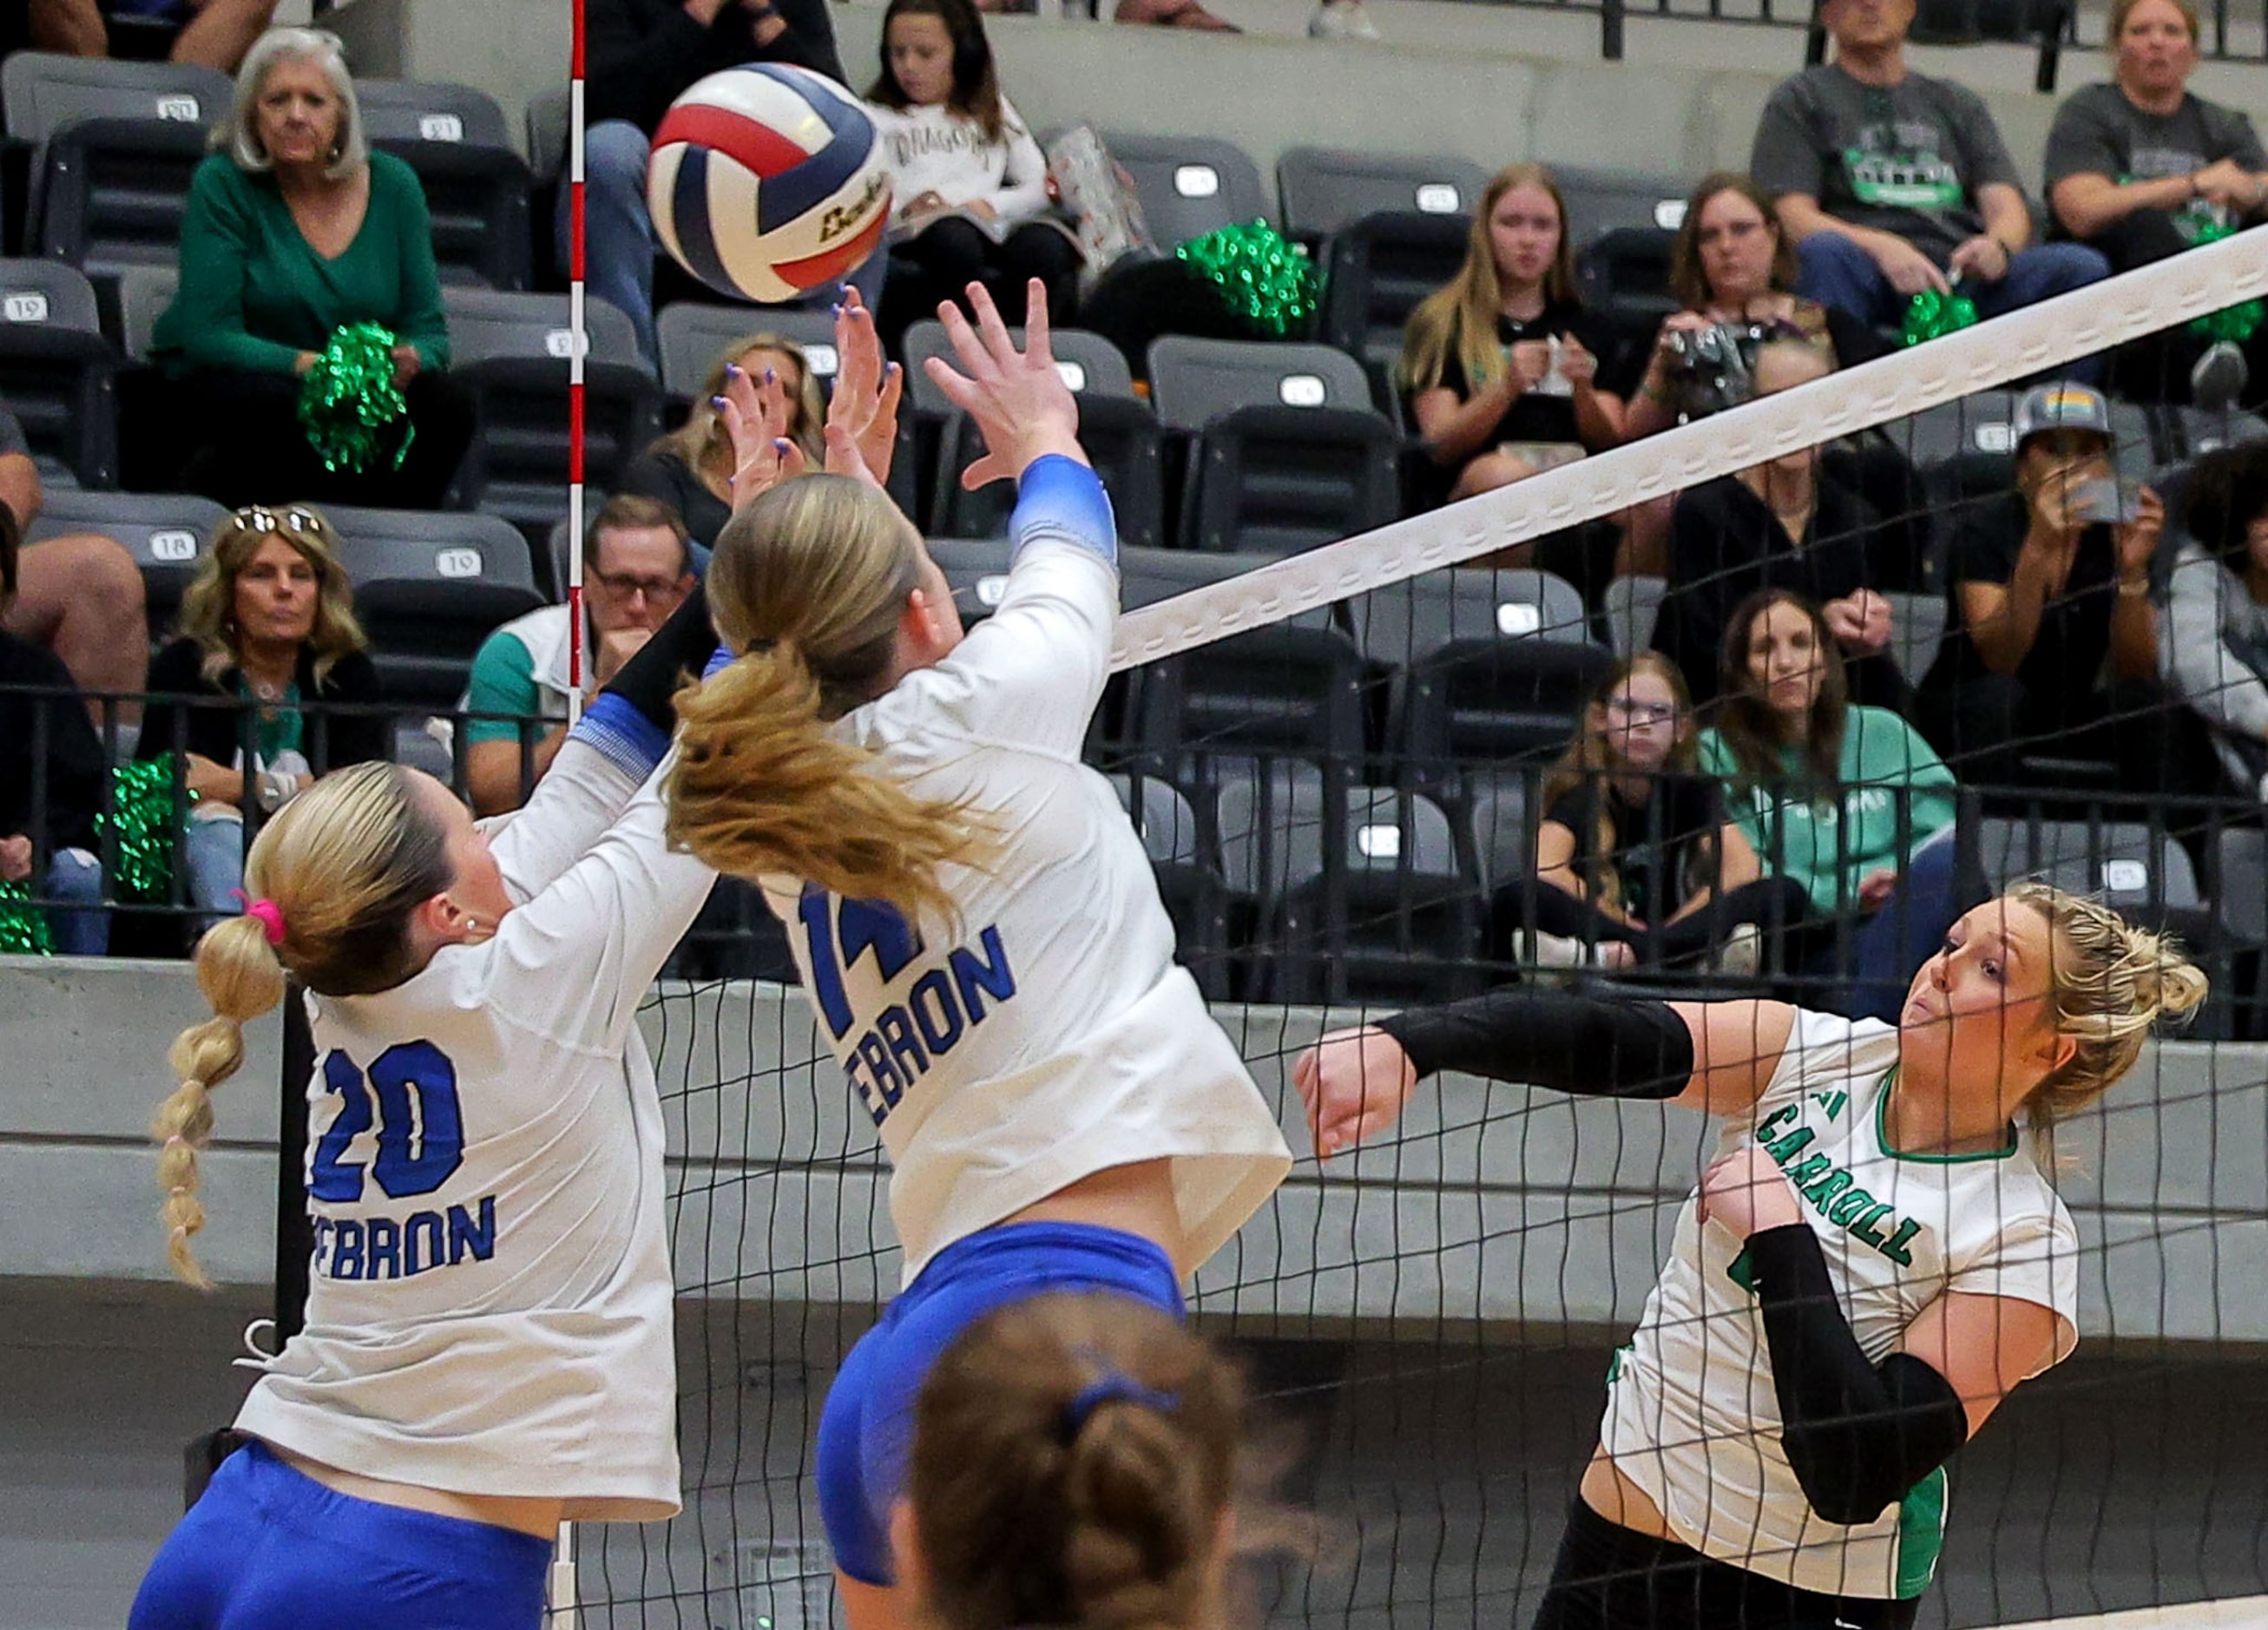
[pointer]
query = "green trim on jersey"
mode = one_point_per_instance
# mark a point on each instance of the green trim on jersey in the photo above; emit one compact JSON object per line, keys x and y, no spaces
{"x":1921,"y":1534}
{"x":1882,"y":1134}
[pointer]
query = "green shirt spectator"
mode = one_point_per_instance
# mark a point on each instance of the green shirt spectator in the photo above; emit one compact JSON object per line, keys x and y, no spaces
{"x":1830,"y":843}
{"x":255,"y":293}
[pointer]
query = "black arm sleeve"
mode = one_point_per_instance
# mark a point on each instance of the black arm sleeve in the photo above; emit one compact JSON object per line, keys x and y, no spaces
{"x":679,"y":647}
{"x":1571,"y":1043}
{"x":1859,"y":1435}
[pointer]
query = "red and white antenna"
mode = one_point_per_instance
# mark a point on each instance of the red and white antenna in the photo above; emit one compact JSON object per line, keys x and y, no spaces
{"x":579,"y":343}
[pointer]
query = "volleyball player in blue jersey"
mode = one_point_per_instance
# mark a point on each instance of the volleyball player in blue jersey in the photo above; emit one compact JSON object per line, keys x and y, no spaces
{"x":975,"y":921}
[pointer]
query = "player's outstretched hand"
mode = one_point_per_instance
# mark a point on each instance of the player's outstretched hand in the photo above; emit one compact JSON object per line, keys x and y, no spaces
{"x":1016,"y":398}
{"x":1354,"y":1083}
{"x":755,"y":409}
{"x":862,"y":417}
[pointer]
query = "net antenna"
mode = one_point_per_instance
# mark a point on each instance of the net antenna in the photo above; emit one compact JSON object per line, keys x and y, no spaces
{"x":2035,"y":340}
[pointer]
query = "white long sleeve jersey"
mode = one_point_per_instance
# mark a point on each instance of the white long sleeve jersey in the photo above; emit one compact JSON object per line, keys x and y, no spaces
{"x":1692,"y":1414}
{"x":1053,"y":1035}
{"x":489,"y":1310}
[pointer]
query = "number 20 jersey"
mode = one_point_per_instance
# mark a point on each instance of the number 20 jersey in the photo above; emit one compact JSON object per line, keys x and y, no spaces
{"x":1049,"y":1034}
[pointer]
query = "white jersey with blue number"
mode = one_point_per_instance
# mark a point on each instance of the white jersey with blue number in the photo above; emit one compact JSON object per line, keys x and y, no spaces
{"x":1051,"y":1036}
{"x":1692,"y":1415}
{"x":488,"y":1304}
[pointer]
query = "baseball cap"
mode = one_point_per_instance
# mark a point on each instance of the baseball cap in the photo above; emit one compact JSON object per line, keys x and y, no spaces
{"x":2060,"y":406}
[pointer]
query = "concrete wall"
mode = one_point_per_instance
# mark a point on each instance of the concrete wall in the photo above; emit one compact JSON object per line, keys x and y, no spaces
{"x":1491,"y":1205}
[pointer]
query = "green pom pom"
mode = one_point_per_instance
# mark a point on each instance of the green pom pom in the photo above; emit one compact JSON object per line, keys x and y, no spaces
{"x":142,"y":814}
{"x":348,"y":401}
{"x":23,"y":925}
{"x":1269,"y":282}
{"x":1933,"y":315}
{"x":2233,"y":324}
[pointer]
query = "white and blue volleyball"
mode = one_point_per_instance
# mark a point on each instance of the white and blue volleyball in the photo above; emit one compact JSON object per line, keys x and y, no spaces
{"x":766,"y":182}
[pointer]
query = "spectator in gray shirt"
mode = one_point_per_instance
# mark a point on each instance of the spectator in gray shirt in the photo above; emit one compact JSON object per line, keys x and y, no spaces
{"x":2142,"y":169}
{"x":2213,"y":639}
{"x":1891,"y":182}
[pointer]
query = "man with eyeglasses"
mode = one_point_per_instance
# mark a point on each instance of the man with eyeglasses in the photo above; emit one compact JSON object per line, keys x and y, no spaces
{"x":638,"y":566}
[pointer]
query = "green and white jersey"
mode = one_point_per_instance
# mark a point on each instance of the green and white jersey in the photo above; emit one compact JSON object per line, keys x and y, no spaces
{"x":1692,"y":1416}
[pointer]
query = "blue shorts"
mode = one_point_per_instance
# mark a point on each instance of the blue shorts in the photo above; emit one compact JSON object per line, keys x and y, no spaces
{"x":269,"y":1548}
{"x":866,"y":1429}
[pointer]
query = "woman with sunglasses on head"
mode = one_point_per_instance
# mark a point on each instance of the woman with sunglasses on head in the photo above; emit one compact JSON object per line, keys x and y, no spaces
{"x":267,"y":646}
{"x":974,"y":921}
{"x":1873,"y":1259}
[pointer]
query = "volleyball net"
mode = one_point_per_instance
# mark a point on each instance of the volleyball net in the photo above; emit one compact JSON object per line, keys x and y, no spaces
{"x":1341,"y":763}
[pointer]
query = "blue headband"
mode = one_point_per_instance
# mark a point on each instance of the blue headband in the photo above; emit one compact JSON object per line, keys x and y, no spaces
{"x":1113,"y":1387}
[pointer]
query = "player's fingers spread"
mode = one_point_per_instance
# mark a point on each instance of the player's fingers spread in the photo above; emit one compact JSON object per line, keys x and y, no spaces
{"x":1037,"y":351}
{"x":973,"y":357}
{"x":958,"y":388}
{"x":990,"y":324}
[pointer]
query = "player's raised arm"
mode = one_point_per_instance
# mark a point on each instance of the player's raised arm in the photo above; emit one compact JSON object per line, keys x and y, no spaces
{"x":1711,"y":1056}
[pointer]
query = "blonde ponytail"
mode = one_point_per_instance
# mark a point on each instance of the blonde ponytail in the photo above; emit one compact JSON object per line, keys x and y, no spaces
{"x":336,"y":875}
{"x":810,"y":583}
{"x":2110,"y":984}
{"x":241,"y":979}
{"x":759,"y":786}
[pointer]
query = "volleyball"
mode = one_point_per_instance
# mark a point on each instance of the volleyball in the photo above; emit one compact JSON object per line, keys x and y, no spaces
{"x":766,"y":182}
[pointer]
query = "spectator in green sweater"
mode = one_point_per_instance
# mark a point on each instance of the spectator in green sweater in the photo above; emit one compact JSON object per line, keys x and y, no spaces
{"x":1849,"y":801}
{"x":294,"y":230}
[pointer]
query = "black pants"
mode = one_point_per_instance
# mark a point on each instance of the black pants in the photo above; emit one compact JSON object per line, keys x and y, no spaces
{"x":242,"y":443}
{"x":1770,"y":902}
{"x":1608,"y":1577}
{"x":2156,"y":367}
{"x":1984,"y":725}
{"x":946,"y":257}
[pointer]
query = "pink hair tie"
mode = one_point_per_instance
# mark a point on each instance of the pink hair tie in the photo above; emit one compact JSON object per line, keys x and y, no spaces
{"x":267,"y":914}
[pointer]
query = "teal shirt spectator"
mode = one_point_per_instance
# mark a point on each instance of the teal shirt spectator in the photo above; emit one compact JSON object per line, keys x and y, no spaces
{"x":520,"y":672}
{"x":254,"y":293}
{"x":1829,"y":845}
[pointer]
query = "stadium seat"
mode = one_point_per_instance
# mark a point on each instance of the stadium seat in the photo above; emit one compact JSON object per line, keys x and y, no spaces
{"x":144,"y":294}
{"x":1284,"y":479}
{"x":166,"y":531}
{"x":1477,"y":699}
{"x":1122,"y":441}
{"x":1189,"y":884}
{"x":1985,"y":423}
{"x":1193,"y":380}
{"x":1624,"y":273}
{"x":1631,"y":606}
{"x":1502,"y":810}
{"x":477,"y":186}
{"x":113,"y":193}
{"x":2239,"y":874}
{"x":2194,"y":430}
{"x":58,"y":374}
{"x":429,"y":588}
{"x":692,"y":332}
{"x":512,"y":350}
{"x":1394,"y":624}
{"x":1089,"y":364}
{"x":977,"y":569}
{"x":1375,"y":271}
{"x":1603,"y":201}
{"x":44,"y":90}
{"x":1356,"y":893}
{"x":1326,"y":190}
{"x":2144,"y":875}
{"x":1189,"y":186}
{"x":1916,"y":630}
{"x":550,"y":122}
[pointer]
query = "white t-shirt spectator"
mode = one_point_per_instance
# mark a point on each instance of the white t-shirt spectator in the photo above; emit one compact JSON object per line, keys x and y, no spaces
{"x":934,"y":150}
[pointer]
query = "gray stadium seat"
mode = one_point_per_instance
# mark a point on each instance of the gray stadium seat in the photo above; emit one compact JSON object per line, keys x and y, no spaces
{"x":1326,"y":189}
{"x":1916,"y":629}
{"x":45,"y":91}
{"x":58,"y":374}
{"x":512,"y":350}
{"x":1601,"y":201}
{"x":166,"y":531}
{"x":1376,"y":271}
{"x":1190,"y":886}
{"x":2241,"y":875}
{"x":1122,"y":441}
{"x":1985,"y":423}
{"x":2121,"y":863}
{"x":977,"y":569}
{"x":1193,"y":380}
{"x":1632,"y":604}
{"x":1504,"y":834}
{"x":550,"y":122}
{"x":1279,"y":480}
{"x":144,"y":294}
{"x":1421,"y":614}
{"x":408,"y":110}
{"x":1190,"y":186}
{"x":1088,"y":363}
{"x":429,"y":587}
{"x":693,"y":332}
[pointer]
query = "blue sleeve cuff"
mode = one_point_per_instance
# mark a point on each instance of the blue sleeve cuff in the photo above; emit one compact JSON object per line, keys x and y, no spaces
{"x":1062,"y":501}
{"x":719,"y":659}
{"x":623,"y":736}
